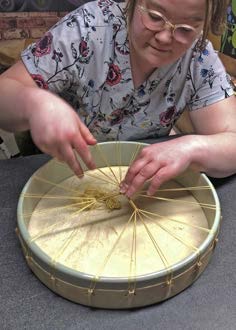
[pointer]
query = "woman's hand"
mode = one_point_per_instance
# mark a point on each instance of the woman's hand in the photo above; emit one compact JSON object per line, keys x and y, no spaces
{"x":57,"y":130}
{"x":55,"y":127}
{"x":158,"y":163}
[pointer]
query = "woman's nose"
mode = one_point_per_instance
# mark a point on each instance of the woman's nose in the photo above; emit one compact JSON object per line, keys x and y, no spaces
{"x":164,"y":36}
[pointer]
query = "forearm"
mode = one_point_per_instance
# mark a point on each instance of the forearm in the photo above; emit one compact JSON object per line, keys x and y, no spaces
{"x":214,"y":154}
{"x":14,"y":105}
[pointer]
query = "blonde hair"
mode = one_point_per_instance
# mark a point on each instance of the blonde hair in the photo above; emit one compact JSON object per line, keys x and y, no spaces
{"x":215,"y":16}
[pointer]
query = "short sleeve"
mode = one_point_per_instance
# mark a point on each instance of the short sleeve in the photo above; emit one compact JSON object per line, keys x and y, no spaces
{"x":210,"y":82}
{"x":57,"y":60}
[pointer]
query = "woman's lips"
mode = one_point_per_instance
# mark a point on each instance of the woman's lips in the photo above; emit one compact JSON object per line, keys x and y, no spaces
{"x":161,"y":50}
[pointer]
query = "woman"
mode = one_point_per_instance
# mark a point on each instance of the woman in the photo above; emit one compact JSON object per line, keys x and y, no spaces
{"x":128,"y":76}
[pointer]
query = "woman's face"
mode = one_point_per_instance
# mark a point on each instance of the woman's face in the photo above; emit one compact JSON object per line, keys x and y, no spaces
{"x":157,"y":48}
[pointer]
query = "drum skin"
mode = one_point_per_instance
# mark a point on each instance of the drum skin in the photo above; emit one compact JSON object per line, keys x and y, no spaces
{"x":116,"y":258}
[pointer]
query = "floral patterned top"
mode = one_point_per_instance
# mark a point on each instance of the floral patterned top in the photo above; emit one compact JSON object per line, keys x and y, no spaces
{"x":85,"y":59}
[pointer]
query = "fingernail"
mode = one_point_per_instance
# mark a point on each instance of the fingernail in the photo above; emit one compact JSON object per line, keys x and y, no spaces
{"x":150,"y":193}
{"x":130,"y":193}
{"x":123,"y":188}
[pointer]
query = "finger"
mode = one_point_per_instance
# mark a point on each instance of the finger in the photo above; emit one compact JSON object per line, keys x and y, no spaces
{"x":59,"y":157}
{"x":163,"y":175}
{"x":134,"y":169}
{"x":141,"y":177}
{"x":80,"y":143}
{"x":143,"y":158}
{"x":82,"y":149}
{"x":57,"y":154}
{"x":67,"y":154}
{"x":86,"y":134}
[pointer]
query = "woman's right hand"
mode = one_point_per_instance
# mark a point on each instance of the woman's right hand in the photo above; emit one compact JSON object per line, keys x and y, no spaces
{"x":55,"y":127}
{"x":57,"y":130}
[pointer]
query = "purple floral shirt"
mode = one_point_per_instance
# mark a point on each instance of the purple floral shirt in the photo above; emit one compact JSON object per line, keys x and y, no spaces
{"x":85,"y":59}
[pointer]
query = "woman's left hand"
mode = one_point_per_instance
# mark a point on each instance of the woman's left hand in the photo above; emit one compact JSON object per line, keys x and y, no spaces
{"x":158,"y":163}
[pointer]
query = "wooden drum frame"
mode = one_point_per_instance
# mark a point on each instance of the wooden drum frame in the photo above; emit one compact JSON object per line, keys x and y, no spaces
{"x":92,"y":245}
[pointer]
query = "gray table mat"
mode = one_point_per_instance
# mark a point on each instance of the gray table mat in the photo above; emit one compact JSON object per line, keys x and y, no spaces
{"x":25,"y":303}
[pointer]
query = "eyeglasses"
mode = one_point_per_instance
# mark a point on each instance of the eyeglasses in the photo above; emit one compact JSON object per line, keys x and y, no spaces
{"x":155,"y":21}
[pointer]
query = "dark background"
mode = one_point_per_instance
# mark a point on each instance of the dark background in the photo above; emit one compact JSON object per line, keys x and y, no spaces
{"x":38,"y":5}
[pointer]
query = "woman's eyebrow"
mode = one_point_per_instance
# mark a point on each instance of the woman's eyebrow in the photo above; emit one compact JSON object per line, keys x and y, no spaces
{"x":156,"y":6}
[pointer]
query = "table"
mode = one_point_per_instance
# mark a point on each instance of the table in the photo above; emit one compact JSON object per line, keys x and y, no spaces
{"x":25,"y":303}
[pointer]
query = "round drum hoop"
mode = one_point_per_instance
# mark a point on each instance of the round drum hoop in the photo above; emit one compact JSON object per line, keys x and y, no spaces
{"x":190,"y":266}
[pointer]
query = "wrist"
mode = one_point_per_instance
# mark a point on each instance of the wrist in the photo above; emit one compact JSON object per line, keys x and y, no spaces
{"x":36,"y":102}
{"x":197,"y":151}
{"x":28,"y":102}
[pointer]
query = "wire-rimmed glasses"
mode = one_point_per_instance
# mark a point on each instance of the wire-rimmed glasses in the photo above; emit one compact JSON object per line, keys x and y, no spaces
{"x":156,"y":21}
